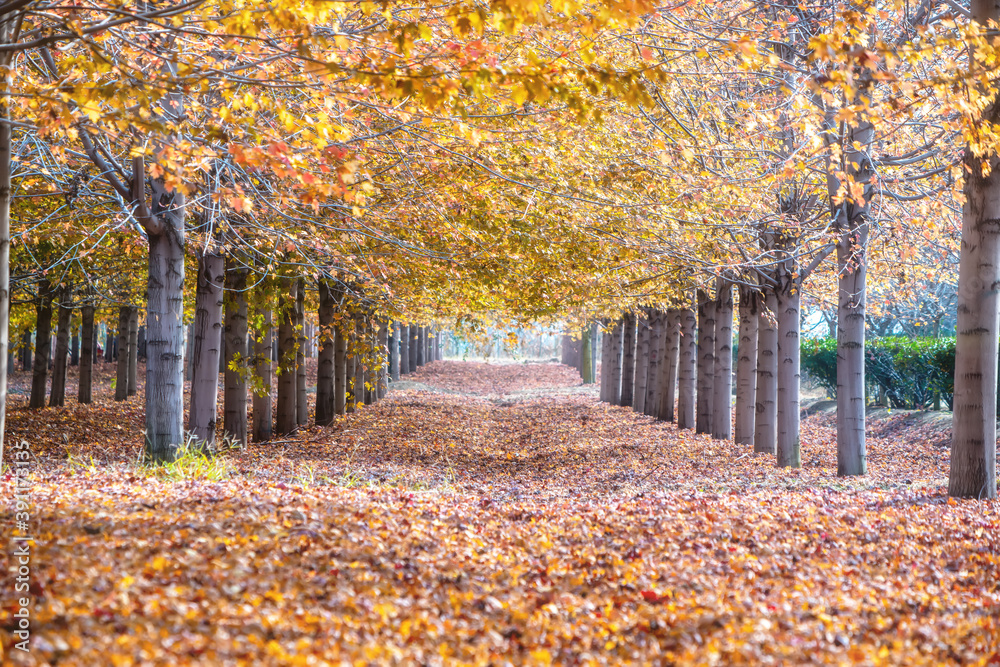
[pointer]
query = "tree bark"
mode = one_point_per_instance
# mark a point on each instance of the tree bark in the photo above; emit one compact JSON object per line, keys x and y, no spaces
{"x":852,"y":458}
{"x":133,"y":351}
{"x":722,"y":397}
{"x":360,"y":361}
{"x":234,"y":408}
{"x":394,"y":352}
{"x":26,"y":350}
{"x":74,"y":347}
{"x":206,"y":351}
{"x":615,"y":359}
{"x":404,"y":349}
{"x":687,"y":363}
{"x":57,"y":395}
{"x":974,"y":437}
{"x":641,"y":362}
{"x":586,"y":359}
{"x":746,"y":366}
{"x":669,"y":365}
{"x":301,"y":396}
{"x":351,"y":365}
{"x":88,"y":334}
{"x":165,"y":330}
{"x":765,"y":429}
{"x":628,"y":359}
{"x":121,"y":375}
{"x":656,"y":337}
{"x":382,"y":386}
{"x":605,"y":363}
{"x":10,"y":27}
{"x":340,"y":387}
{"x":326,"y":365}
{"x":287,"y":414}
{"x":414,"y":340}
{"x":706,"y":361}
{"x":43,"y":344}
{"x":421,"y":346}
{"x":109,"y":344}
{"x":263,"y":420}
{"x":788,"y":297}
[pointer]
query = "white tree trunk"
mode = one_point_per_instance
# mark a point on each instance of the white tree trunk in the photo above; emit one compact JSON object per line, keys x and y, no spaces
{"x":974,"y":436}
{"x":657,"y":320}
{"x":788,"y":296}
{"x":746,"y":366}
{"x":641,"y":362}
{"x":765,"y":429}
{"x":666,"y":392}
{"x":206,"y":351}
{"x":686,"y":369}
{"x":706,"y":361}
{"x":722,"y":396}
{"x":628,"y":360}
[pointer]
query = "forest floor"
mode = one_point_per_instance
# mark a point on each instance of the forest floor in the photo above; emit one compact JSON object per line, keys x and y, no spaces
{"x":492,"y":513}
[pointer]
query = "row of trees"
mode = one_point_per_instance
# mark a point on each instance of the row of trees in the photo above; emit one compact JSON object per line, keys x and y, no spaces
{"x":263,"y":333}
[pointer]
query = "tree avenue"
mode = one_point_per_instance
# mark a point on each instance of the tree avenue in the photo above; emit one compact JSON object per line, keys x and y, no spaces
{"x":237,"y":187}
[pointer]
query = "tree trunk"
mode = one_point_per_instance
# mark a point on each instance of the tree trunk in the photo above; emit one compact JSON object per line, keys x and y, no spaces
{"x":656,"y":338}
{"x":206,"y":351}
{"x":586,"y":359}
{"x":287,"y":417}
{"x":746,"y":366}
{"x":301,"y":396}
{"x":974,"y":437}
{"x":141,"y":348}
{"x":687,"y":363}
{"x":109,"y":345}
{"x":26,"y":350}
{"x":189,"y":351}
{"x":43,"y":345}
{"x":325,"y":370}
{"x":351,"y":365}
{"x":788,"y":296}
{"x":74,"y":347}
{"x":641,"y":362}
{"x":165,"y":331}
{"x":340,"y":387}
{"x":88,"y":335}
{"x":668,"y":365}
{"x":263,"y":420}
{"x":628,"y":359}
{"x":234,"y":407}
{"x":121,"y":375}
{"x":706,"y":361}
{"x":394,"y":352}
{"x":382,"y":386}
{"x":615,"y":359}
{"x":57,"y":395}
{"x":404,"y":349}
{"x":362,"y":350}
{"x":421,"y":347}
{"x":605,"y":356}
{"x":10,"y":27}
{"x":414,"y":339}
{"x":133,"y":351}
{"x":722,"y":397}
{"x":852,"y":271}
{"x":765,"y":429}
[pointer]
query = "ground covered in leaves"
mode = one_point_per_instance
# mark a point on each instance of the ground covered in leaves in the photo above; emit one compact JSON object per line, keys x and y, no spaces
{"x":499,"y":513}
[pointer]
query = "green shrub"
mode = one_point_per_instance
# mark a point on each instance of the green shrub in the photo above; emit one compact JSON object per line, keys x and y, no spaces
{"x":910,"y":372}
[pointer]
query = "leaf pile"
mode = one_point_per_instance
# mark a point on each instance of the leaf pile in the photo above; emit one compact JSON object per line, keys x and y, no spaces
{"x":447,"y":529}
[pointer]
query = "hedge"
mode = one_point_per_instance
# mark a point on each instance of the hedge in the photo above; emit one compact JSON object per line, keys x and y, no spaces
{"x":910,"y":372}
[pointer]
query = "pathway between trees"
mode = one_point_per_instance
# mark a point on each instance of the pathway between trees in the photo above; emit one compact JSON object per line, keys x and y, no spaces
{"x":499,"y":512}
